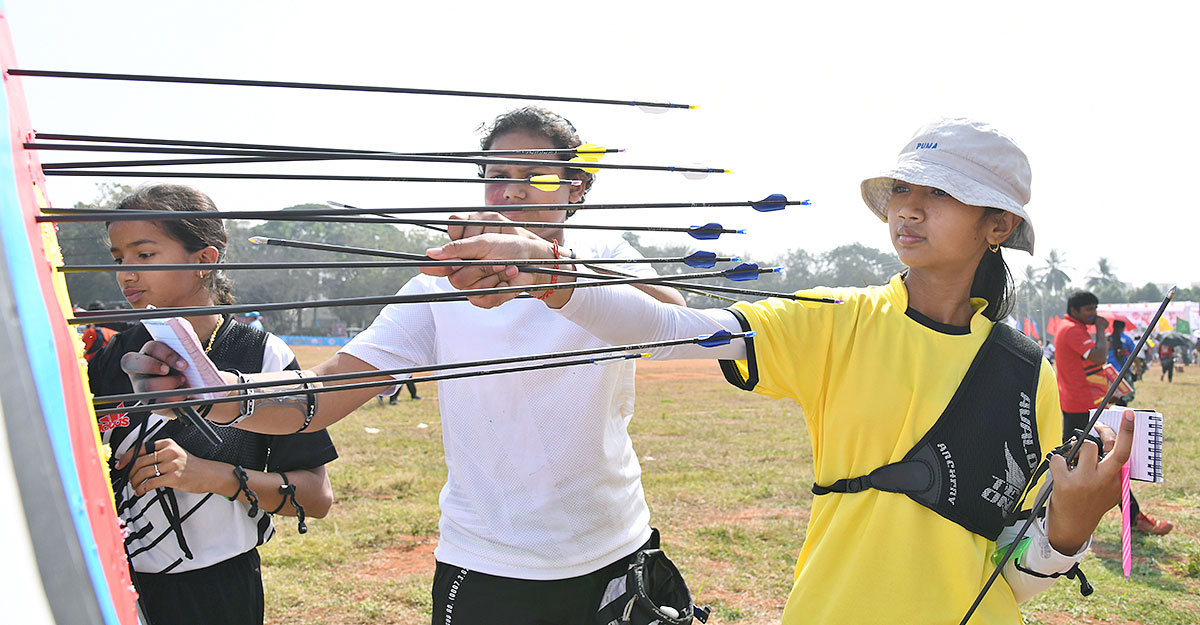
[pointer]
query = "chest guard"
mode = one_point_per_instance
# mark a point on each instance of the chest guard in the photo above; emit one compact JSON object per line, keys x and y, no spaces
{"x":973,"y":465}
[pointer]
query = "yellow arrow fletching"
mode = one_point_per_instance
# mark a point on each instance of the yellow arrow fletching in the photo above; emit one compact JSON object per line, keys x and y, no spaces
{"x":591,"y":151}
{"x":546,"y":182}
{"x":581,"y":159}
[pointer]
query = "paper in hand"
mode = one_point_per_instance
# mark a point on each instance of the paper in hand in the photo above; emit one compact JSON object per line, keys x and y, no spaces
{"x":177,"y":334}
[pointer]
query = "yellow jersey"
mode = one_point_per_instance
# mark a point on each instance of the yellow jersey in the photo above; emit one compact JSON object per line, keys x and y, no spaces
{"x":872,"y":381}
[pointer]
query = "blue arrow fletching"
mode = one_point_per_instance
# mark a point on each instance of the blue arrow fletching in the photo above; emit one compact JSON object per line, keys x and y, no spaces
{"x":702,"y":260}
{"x":706,"y":232}
{"x":720,"y":337}
{"x":743,"y":272}
{"x":773,"y":202}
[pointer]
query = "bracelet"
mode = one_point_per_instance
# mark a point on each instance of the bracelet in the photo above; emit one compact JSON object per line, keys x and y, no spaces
{"x":553,"y":277}
{"x":288,"y":490}
{"x":244,"y":487}
{"x":245,"y":407}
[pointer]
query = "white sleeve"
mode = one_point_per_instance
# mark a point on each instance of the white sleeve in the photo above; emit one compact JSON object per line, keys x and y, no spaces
{"x":1040,"y":557}
{"x":277,"y":356}
{"x":622,"y":249}
{"x":403,"y":335}
{"x":621,"y":315}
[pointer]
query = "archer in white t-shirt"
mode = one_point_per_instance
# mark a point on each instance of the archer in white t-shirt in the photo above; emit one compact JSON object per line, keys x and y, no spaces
{"x":543,"y":501}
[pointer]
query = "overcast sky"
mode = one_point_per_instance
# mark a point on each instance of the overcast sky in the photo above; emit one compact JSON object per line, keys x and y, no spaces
{"x":805,"y":99}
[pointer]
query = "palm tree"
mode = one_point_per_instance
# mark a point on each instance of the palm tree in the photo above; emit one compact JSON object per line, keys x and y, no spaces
{"x":1033,"y":292}
{"x":1103,"y":276}
{"x":1053,"y":276}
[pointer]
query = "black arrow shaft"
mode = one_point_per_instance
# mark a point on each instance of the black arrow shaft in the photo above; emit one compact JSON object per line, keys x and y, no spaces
{"x":685,"y":286}
{"x":94,"y":214}
{"x":279,"y":155}
{"x":367,"y":264}
{"x":87,"y":173}
{"x":160,"y":313}
{"x":359,"y":375}
{"x":333,"y":87}
{"x":287,"y":215}
{"x":372,"y":384}
{"x":695,"y":287}
{"x":295,"y":148}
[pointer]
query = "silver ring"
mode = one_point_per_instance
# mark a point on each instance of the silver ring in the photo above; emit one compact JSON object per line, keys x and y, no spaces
{"x":156,"y":473}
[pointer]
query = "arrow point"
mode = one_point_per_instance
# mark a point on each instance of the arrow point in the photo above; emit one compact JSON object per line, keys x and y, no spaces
{"x":258,"y":240}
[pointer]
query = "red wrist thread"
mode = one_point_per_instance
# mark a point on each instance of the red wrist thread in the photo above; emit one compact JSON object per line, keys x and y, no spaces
{"x":553,"y":277}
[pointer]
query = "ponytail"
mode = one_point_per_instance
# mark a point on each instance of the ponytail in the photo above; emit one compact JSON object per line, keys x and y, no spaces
{"x":993,"y":282}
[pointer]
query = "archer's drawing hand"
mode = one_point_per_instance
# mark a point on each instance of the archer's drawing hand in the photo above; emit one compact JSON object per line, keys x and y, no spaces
{"x":463,"y":232}
{"x":158,"y":368}
{"x":493,"y":246}
{"x":155,"y":368}
{"x":1083,"y":494}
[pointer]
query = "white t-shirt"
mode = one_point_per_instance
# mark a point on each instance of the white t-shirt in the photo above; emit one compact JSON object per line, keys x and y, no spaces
{"x":542,"y":480}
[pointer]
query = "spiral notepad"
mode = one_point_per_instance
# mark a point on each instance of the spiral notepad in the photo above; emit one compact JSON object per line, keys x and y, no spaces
{"x":1145,"y":460}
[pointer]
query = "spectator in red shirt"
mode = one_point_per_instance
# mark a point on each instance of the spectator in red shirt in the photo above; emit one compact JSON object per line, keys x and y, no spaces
{"x":1079,"y":363}
{"x":1166,"y":355}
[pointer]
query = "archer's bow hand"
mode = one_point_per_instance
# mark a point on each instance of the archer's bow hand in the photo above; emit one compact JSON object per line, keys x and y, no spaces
{"x":1083,"y":494}
{"x":493,"y":246}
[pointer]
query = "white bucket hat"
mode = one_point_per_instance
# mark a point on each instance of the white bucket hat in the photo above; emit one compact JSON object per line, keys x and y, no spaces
{"x":970,"y":160}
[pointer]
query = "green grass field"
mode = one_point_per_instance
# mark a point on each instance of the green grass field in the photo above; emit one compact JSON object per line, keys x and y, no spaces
{"x":727,"y":475}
